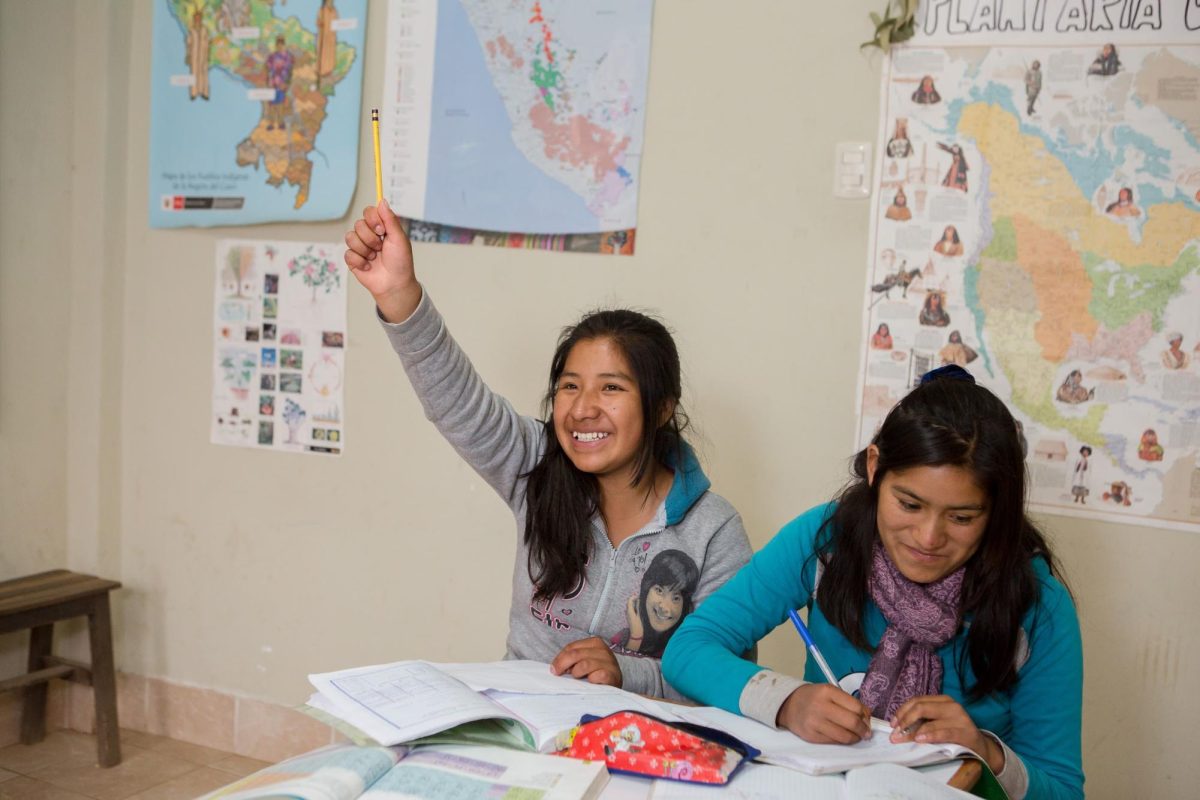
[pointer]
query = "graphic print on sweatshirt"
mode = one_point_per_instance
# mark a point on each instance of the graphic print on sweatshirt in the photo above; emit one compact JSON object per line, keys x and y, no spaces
{"x":543,"y":610}
{"x":664,"y":599}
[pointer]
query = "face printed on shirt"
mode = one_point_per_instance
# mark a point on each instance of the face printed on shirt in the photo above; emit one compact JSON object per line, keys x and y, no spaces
{"x":664,"y":607}
{"x":665,"y":598}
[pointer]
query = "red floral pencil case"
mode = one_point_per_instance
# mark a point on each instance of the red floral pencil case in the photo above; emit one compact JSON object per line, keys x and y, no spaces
{"x":638,"y":744}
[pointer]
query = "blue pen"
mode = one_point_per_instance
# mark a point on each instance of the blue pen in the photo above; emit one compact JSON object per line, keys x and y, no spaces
{"x":812,"y":647}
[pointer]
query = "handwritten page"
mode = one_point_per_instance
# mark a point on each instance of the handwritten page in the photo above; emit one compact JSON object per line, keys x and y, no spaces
{"x":522,"y":677}
{"x":399,"y":702}
{"x":785,"y":749}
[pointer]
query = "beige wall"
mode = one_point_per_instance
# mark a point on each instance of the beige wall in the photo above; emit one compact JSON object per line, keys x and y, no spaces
{"x":246,"y":570}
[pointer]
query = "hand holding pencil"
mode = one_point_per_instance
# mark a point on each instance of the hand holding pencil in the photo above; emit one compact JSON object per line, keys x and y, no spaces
{"x":380,"y":256}
{"x":379,"y":253}
{"x":822,"y":712}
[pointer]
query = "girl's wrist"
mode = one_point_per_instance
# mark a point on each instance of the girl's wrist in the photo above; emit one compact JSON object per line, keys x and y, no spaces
{"x":993,"y":753}
{"x":398,"y":305}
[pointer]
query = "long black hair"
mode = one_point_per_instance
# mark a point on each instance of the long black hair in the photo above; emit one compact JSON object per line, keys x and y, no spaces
{"x":945,"y":422}
{"x":560,"y":499}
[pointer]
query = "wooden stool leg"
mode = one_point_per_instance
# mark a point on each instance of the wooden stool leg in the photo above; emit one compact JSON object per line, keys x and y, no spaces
{"x":104,"y":683}
{"x":33,"y":711}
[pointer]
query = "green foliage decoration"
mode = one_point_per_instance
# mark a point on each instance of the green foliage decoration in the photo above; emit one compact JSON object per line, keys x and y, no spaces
{"x":897,"y":24}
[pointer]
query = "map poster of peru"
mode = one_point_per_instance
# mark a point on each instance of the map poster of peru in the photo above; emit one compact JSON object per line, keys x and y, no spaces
{"x":255,"y":110}
{"x":1036,"y":221}
{"x":523,"y":116}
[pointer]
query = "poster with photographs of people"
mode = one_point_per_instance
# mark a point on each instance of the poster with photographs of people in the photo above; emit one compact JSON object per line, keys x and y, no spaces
{"x":279,"y":339}
{"x":1036,"y":221}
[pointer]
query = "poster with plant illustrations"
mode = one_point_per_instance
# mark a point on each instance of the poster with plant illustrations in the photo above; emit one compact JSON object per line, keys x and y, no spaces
{"x":279,"y":338}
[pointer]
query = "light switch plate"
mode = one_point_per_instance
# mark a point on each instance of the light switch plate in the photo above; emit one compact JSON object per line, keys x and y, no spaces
{"x":852,"y":170}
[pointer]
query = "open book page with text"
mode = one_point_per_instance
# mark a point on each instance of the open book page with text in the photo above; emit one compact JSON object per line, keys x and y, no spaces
{"x":411,"y":700}
{"x":400,"y":702}
{"x":336,"y":772}
{"x":486,"y":773}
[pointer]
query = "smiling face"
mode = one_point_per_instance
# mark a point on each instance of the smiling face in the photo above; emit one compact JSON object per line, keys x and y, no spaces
{"x":664,"y":607}
{"x":598,"y":410}
{"x":931,"y":520}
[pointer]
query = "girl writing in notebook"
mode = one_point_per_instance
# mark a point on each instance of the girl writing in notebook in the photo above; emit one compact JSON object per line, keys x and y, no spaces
{"x":600,"y":487}
{"x":929,"y":591}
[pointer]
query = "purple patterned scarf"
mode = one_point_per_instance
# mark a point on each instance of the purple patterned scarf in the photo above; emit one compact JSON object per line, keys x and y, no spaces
{"x":921,"y":618}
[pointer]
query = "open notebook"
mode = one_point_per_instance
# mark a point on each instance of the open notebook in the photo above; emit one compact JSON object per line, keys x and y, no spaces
{"x":785,"y":749}
{"x":414,"y":700}
{"x":410,"y":700}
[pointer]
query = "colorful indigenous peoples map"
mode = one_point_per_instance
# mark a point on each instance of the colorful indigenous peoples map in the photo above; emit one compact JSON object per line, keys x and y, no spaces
{"x":255,"y":108}
{"x":520,"y":116}
{"x":1036,"y":221}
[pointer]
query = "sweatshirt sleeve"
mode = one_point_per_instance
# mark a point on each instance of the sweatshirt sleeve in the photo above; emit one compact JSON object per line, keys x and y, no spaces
{"x":728,"y":551}
{"x":1047,"y":700}
{"x":703,"y":659}
{"x":481,"y":426}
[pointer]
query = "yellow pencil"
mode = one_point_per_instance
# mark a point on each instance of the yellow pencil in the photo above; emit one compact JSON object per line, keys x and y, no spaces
{"x":378,"y":167}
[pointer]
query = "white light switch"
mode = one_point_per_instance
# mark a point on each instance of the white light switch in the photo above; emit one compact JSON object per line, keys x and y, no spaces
{"x":852,"y":170}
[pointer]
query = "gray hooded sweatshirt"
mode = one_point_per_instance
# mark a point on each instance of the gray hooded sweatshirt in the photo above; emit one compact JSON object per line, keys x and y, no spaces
{"x":694,"y":543}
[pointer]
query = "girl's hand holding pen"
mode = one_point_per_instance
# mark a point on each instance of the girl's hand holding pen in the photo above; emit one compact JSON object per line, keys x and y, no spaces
{"x":824,"y":714}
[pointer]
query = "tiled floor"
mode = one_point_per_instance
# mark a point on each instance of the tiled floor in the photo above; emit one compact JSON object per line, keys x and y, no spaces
{"x":63,"y":767}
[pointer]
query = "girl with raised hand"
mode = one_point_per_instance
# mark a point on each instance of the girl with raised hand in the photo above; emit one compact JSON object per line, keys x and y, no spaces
{"x":599,"y":487}
{"x":933,"y":597}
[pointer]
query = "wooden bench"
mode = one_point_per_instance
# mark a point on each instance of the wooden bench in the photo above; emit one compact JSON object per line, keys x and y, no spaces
{"x":38,"y":601}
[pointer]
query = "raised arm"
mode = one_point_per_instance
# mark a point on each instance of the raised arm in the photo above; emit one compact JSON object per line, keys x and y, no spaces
{"x":483,"y":428}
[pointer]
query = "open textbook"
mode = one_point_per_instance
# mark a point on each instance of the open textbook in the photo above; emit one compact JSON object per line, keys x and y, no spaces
{"x":348,"y":772}
{"x":415,"y":700}
{"x":523,"y":703}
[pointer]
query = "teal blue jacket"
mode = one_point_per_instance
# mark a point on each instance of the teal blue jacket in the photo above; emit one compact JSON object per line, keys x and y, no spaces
{"x":1038,"y":717}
